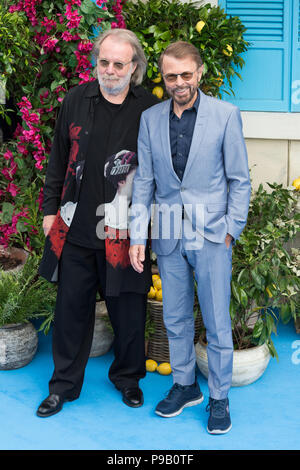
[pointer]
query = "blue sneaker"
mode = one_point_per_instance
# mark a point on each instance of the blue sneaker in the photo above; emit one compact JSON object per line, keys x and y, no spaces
{"x":219,"y":421}
{"x":179,"y":397}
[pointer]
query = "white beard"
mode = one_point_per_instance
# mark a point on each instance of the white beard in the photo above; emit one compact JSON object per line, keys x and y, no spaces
{"x":122,"y":83}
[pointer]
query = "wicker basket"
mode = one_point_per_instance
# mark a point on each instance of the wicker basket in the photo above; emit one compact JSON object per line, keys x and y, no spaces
{"x":158,"y":347}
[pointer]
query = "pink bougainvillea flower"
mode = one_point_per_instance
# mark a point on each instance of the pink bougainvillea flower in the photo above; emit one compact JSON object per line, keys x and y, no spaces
{"x":8,"y":155}
{"x":6,"y":174}
{"x":101,"y":2}
{"x":48,"y":24}
{"x":24,"y":103}
{"x":34,"y":118}
{"x":12,"y":189}
{"x":82,"y":62}
{"x":17,"y":131}
{"x":85,"y":46}
{"x":40,"y":198}
{"x":67,"y":36}
{"x":49,"y":44}
{"x":86,"y":77}
{"x":73,"y":2}
{"x":73,"y":17}
{"x":63,"y":70}
{"x":44,"y":96}
{"x":22,"y":149}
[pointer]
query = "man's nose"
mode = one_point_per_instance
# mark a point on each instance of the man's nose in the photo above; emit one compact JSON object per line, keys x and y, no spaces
{"x":110,"y":69}
{"x":179,"y":80}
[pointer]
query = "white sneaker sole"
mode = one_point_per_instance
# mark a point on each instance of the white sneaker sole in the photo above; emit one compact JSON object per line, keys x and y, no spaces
{"x":176,"y":413}
{"x":219,"y":431}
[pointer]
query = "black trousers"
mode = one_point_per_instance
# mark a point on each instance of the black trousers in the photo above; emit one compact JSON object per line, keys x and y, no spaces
{"x":82,"y":274}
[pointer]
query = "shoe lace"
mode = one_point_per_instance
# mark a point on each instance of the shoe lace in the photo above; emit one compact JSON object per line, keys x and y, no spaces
{"x":174,"y":391}
{"x":217,"y":407}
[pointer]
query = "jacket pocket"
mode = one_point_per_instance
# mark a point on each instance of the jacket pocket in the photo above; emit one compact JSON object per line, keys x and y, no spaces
{"x":217,"y":207}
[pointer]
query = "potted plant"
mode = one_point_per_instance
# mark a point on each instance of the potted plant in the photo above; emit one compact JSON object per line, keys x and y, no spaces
{"x":103,"y":335}
{"x":265,"y":282}
{"x":23,"y":296}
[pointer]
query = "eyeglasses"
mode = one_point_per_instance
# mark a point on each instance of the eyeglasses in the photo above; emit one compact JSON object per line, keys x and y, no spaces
{"x":116,"y":65}
{"x":172,"y":77}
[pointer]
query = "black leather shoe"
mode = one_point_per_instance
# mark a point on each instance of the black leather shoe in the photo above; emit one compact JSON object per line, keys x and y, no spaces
{"x":132,"y":396}
{"x":50,"y":406}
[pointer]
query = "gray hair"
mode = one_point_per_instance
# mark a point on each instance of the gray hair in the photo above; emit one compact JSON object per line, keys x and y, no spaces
{"x":125,"y":35}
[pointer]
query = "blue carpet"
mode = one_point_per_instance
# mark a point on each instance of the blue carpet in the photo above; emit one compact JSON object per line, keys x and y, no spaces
{"x":265,"y":415}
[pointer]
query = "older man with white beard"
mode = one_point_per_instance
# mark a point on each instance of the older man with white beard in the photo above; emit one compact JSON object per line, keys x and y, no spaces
{"x":93,"y":153}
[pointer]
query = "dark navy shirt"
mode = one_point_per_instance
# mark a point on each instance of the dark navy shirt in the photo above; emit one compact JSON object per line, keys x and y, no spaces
{"x":181,"y":133}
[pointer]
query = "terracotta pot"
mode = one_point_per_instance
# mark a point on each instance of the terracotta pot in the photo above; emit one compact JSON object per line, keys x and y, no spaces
{"x":248,"y":364}
{"x":18,"y":345}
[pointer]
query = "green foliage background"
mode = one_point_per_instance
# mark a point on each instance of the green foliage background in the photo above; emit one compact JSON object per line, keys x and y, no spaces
{"x":157,"y":23}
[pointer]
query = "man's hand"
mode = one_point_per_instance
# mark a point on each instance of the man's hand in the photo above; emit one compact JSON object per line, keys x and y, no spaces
{"x":47,"y":223}
{"x":137,"y":257}
{"x":228,"y":240}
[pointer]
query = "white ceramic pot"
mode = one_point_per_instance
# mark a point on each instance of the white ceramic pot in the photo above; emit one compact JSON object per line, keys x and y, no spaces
{"x":103,"y":337}
{"x":248,"y":364}
{"x":18,"y":345}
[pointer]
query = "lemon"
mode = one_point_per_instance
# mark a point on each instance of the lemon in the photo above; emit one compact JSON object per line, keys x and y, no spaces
{"x":151,"y":293}
{"x":157,"y":79}
{"x":151,"y":365}
{"x":164,"y":368}
{"x":219,"y":79}
{"x":199,"y":26}
{"x":158,"y":91}
{"x":228,"y":51}
{"x":296,"y":183}
{"x":158,"y":295}
{"x":157,"y":284}
{"x":269,"y":292}
{"x":154,"y":277}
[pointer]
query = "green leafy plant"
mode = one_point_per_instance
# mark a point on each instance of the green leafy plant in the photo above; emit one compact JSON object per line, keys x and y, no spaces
{"x":219,"y":39}
{"x":24,"y":295}
{"x":18,"y":62}
{"x":265,"y":277}
{"x":265,"y":286}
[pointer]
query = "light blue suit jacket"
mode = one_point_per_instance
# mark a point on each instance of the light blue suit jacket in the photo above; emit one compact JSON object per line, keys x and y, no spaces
{"x":215,"y":189}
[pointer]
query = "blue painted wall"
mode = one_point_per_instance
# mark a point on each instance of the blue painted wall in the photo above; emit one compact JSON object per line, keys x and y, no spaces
{"x":271,"y":75}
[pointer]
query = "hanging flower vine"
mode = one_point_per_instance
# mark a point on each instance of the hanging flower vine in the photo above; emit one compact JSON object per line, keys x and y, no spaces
{"x":62,"y":35}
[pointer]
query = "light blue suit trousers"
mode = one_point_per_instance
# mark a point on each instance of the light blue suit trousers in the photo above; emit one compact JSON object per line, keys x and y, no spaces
{"x":211,"y":265}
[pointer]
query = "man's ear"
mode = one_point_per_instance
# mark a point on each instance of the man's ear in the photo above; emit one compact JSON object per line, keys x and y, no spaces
{"x":134,"y":68}
{"x":200,"y":72}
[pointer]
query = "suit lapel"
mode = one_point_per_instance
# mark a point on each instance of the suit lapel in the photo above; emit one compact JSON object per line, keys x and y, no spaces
{"x":165,"y":135}
{"x":198,"y":134}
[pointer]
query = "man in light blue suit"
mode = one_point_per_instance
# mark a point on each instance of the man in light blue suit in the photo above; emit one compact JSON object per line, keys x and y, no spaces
{"x":193,"y":165}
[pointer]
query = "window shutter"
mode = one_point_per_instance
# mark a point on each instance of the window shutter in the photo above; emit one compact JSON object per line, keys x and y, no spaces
{"x":266,"y":73}
{"x":295,"y":98}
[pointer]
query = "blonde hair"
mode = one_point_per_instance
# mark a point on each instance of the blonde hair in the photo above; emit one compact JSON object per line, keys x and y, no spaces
{"x":139,"y":58}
